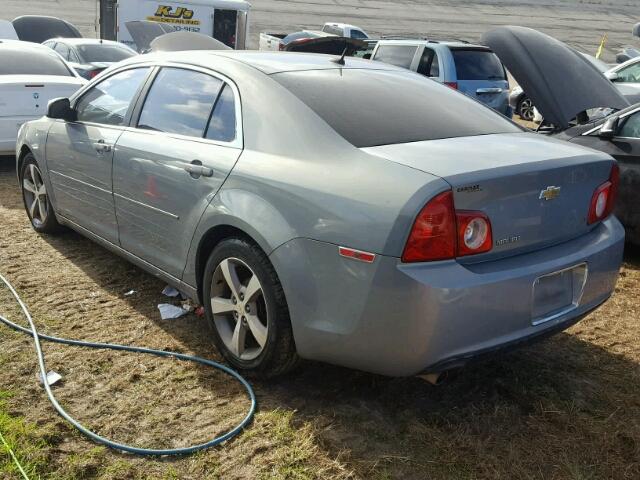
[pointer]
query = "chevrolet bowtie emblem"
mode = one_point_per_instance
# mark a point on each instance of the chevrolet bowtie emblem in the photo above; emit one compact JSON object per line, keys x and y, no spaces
{"x":550,"y":193}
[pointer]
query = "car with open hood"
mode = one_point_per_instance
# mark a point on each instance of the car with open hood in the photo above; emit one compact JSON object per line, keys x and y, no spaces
{"x":89,"y":56}
{"x":38,"y":28}
{"x":582,"y":106}
{"x":382,"y":221}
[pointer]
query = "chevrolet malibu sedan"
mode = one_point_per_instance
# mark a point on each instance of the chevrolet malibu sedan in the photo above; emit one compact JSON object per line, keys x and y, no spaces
{"x":330,"y":209}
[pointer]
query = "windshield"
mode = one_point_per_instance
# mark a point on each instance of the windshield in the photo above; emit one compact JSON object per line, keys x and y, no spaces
{"x":477,"y":65}
{"x":32,"y":62}
{"x":380,"y":107}
{"x":104,"y":53}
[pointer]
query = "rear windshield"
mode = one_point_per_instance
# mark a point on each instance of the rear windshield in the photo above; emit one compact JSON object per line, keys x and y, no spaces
{"x":104,"y":53}
{"x":28,"y":62}
{"x":477,"y":65}
{"x":377,"y":107}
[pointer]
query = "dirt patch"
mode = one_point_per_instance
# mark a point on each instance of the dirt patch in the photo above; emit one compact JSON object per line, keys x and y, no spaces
{"x":565,"y":408}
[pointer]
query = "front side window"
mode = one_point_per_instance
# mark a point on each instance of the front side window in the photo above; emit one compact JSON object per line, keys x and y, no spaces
{"x":180,"y":101}
{"x":222,"y":126}
{"x":398,"y":55}
{"x":108,"y":102}
{"x":631,"y":126}
{"x":630,"y":74}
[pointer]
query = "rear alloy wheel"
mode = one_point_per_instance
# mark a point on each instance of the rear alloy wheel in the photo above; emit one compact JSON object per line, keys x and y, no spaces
{"x":525,"y":109}
{"x":246,"y":309}
{"x":239,"y":309}
{"x":35,"y":197}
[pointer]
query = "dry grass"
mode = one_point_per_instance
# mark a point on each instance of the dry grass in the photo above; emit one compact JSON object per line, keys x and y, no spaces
{"x":566,"y":408}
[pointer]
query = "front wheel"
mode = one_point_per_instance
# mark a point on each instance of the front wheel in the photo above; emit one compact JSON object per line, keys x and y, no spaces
{"x":36,"y":198}
{"x":247,"y":310}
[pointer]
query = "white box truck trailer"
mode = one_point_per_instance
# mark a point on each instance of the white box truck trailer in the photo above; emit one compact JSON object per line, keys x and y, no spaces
{"x":224,"y":20}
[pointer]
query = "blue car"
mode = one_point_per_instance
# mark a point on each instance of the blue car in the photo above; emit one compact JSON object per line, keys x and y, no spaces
{"x":472,"y":69}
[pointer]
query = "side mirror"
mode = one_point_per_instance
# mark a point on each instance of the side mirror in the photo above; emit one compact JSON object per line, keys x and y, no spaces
{"x":60,"y":108}
{"x":609,"y":129}
{"x":613,"y":76}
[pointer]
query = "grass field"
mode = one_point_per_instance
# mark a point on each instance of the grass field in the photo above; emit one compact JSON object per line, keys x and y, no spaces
{"x":567,"y":408}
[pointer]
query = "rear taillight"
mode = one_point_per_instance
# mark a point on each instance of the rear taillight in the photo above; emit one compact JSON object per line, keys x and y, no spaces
{"x":453,"y":85}
{"x":94,"y":73}
{"x":604,"y":198}
{"x":441,"y":233}
{"x":433,"y":236}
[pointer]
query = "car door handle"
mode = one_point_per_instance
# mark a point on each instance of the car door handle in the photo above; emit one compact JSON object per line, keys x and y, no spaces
{"x":488,"y":90}
{"x":102,"y":147}
{"x":197,"y":170}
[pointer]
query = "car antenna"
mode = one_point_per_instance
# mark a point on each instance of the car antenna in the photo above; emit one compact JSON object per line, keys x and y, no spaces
{"x":340,"y":61}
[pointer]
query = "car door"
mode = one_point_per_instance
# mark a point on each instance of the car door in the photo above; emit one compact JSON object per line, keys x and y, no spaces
{"x":80,"y":154}
{"x":186,"y":138}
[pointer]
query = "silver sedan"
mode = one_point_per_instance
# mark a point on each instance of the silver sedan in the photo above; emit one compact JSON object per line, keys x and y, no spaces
{"x":343,"y":211}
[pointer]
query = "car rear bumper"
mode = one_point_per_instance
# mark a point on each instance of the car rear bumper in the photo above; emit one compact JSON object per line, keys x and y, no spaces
{"x":403,"y":319}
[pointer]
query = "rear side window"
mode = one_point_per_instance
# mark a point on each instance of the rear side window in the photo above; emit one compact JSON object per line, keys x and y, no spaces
{"x":108,"y":102}
{"x":332,"y":30}
{"x":382,"y":107}
{"x":429,"y":63}
{"x":222,"y":126}
{"x":358,"y":34}
{"x":398,"y":55}
{"x":63,"y":50}
{"x":32,"y":62}
{"x":180,"y":101}
{"x":477,"y":65}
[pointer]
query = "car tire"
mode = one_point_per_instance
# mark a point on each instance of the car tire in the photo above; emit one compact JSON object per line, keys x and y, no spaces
{"x":35,"y":197}
{"x":525,"y":109}
{"x":252,"y":332}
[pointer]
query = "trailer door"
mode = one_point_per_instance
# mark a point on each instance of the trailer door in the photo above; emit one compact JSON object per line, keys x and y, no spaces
{"x":225,"y":24}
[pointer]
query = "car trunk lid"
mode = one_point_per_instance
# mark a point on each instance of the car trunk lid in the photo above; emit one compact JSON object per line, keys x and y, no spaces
{"x":28,"y":95}
{"x":535,"y":191}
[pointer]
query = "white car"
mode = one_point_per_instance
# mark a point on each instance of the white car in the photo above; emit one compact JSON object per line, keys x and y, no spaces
{"x":30,"y":75}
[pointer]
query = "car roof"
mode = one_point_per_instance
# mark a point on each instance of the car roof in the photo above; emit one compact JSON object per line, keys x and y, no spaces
{"x":433,"y":43}
{"x":84,"y":41}
{"x":22,"y":45}
{"x":264,"y":61}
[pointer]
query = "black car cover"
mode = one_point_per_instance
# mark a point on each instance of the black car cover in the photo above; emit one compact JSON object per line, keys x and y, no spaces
{"x":38,"y":28}
{"x":560,"y":81}
{"x":329,"y":45}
